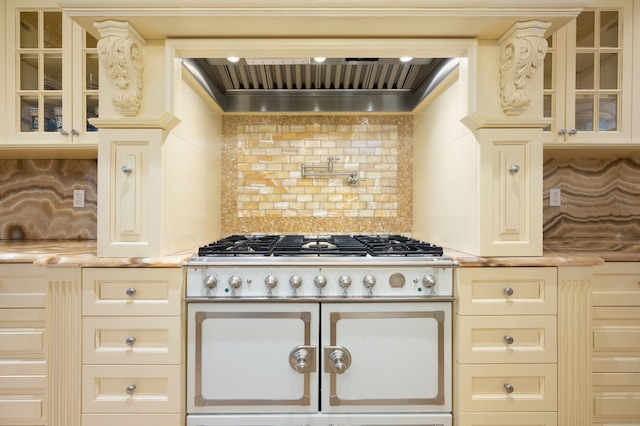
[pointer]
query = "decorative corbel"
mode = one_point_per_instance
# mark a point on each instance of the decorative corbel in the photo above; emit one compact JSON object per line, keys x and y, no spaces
{"x":522,"y":50}
{"x":120,"y":49}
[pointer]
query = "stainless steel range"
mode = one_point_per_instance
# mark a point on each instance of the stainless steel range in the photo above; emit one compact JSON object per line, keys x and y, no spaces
{"x":319,"y":330}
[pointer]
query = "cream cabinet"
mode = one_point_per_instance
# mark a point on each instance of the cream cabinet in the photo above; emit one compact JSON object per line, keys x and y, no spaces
{"x":51,"y":77}
{"x":616,"y":344}
{"x":133,"y":338}
{"x":511,"y":192}
{"x":506,"y":346}
{"x":23,"y":338}
{"x":588,"y":74}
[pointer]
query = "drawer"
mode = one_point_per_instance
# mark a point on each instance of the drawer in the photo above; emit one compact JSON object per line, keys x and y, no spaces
{"x":22,"y":410}
{"x":132,"y":388}
{"x":22,"y":286}
{"x":617,"y":337}
{"x":133,"y":420}
{"x":28,"y":343}
{"x":23,"y":318}
{"x":482,"y":387}
{"x":616,"y":364}
{"x":616,"y":284}
{"x":132,"y":291}
{"x":485,"y":339}
{"x":132,"y":340}
{"x":506,"y":291}
{"x":20,"y":377}
{"x":507,"y":419}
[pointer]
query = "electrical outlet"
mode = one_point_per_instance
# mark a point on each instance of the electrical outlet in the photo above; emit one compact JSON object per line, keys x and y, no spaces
{"x":78,"y":198}
{"x":555,"y":197}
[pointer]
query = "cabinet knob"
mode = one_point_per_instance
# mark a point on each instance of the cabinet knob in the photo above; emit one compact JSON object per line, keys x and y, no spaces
{"x":508,"y":291}
{"x":508,"y":339}
{"x":74,"y":132}
{"x":126,"y":169}
{"x":130,"y":341}
{"x":508,"y":388}
{"x":64,"y":132}
{"x":130,"y":389}
{"x":131,"y":291}
{"x":573,"y":132}
{"x":514,"y":169}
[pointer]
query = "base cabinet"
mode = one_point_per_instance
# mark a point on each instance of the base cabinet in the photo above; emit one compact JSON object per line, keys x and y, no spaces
{"x":616,"y":344}
{"x":505,"y":361}
{"x":23,"y":363}
{"x":133,"y":370}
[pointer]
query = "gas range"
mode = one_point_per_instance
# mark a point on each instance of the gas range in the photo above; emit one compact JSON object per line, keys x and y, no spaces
{"x":297,"y":266}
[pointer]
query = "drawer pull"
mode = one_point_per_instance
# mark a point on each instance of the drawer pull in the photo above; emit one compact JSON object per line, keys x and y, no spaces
{"x":131,"y":291}
{"x":130,"y":341}
{"x":508,"y":388}
{"x":132,"y":388}
{"x":508,"y":291}
{"x":508,"y":339}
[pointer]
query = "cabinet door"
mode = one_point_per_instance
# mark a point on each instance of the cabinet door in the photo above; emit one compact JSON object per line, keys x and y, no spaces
{"x":43,"y":73}
{"x":588,"y":76}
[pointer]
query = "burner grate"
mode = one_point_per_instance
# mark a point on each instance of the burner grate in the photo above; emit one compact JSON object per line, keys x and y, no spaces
{"x":241,"y":245}
{"x":397,"y":245}
{"x":336,"y":245}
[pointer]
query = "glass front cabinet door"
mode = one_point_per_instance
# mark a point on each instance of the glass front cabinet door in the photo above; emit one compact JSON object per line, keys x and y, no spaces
{"x":52,"y":74}
{"x":588,"y":71}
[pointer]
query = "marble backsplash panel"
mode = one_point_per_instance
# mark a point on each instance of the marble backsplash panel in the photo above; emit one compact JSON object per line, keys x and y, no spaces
{"x":36,"y":199}
{"x":600,"y":198}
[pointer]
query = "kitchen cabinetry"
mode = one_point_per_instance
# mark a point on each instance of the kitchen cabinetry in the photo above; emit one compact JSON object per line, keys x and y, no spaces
{"x":588,"y":76}
{"x":23,"y":364}
{"x":616,"y":344}
{"x":51,"y":77}
{"x":133,"y":340}
{"x":506,"y":351}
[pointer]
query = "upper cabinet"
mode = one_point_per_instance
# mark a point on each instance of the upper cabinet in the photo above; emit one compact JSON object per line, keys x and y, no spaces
{"x":587,"y":77}
{"x":51,"y":78}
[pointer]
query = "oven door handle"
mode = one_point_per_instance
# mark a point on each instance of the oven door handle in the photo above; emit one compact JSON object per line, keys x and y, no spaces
{"x":338,"y":359}
{"x":302,"y":359}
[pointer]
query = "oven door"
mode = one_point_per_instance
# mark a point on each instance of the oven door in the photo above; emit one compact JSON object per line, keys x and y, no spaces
{"x":252,"y":357}
{"x":386,"y":357}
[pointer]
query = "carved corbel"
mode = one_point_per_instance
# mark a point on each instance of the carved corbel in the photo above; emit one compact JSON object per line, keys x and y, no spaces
{"x":120,"y":49}
{"x":522,"y":50}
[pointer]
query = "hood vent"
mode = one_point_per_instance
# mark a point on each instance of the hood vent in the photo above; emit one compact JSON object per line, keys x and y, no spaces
{"x":335,"y":85}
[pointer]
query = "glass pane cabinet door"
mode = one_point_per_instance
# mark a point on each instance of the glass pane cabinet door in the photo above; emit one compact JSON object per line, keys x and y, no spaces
{"x":39,"y":74}
{"x":586,"y":68}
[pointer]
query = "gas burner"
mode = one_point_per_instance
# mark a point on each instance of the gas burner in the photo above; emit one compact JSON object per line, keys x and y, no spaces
{"x":298,"y":245}
{"x":397,"y":245}
{"x":241,"y":245}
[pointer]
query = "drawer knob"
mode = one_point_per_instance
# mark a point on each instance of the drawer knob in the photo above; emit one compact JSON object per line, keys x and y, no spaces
{"x":508,"y":388}
{"x":131,"y":291}
{"x":508,"y":339}
{"x":130,"y":341}
{"x":508,"y":291}
{"x":514,"y":169}
{"x":132,"y":388}
{"x":126,"y":169}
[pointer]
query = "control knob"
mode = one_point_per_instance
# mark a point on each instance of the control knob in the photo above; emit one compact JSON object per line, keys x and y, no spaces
{"x":429,"y":281}
{"x":270,"y":281}
{"x":235,"y":281}
{"x":344,"y":281}
{"x":369,"y":281}
{"x":320,"y":281}
{"x":210,"y":282}
{"x":295,"y":281}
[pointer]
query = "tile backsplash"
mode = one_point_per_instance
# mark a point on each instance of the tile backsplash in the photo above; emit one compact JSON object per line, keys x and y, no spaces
{"x":36,"y":199}
{"x":600,"y":198}
{"x":263,"y":190}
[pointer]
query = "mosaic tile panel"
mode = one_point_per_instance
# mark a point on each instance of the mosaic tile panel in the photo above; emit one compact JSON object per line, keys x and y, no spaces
{"x":36,"y":199}
{"x":263,"y":188}
{"x":600,"y":198}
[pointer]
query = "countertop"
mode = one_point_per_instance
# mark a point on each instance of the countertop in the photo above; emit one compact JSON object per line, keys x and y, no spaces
{"x":81,"y":253}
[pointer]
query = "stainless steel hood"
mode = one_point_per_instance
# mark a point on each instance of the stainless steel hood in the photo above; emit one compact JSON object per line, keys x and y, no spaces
{"x":304,"y":85}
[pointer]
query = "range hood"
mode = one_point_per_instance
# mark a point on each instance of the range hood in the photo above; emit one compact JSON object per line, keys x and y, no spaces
{"x":353,"y":85}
